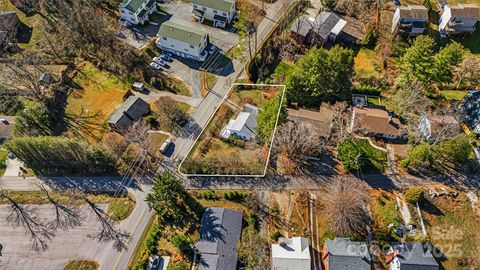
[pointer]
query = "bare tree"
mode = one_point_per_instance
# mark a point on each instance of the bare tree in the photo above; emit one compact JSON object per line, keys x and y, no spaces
{"x":297,"y":142}
{"x":115,"y":143}
{"x":138,"y":133}
{"x":65,"y":216}
{"x":170,"y":114}
{"x":344,"y":205}
{"x":107,"y":232}
{"x":24,"y":216}
{"x":468,"y":72}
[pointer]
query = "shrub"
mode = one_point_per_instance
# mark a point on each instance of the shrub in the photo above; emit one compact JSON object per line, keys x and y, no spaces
{"x":208,"y":195}
{"x":182,"y":242}
{"x":414,"y":194}
{"x":235,"y":195}
{"x":370,"y":37}
{"x":276,"y":235}
{"x":369,"y":90}
{"x":236,"y":141}
{"x":150,"y":119}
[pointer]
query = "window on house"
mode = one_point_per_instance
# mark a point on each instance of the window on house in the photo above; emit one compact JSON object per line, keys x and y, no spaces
{"x":204,"y":8}
{"x":191,"y":46}
{"x":172,"y":45}
{"x":164,"y":38}
{"x":224,"y":14}
{"x":195,"y":6}
{"x":215,"y":11}
{"x":186,"y":50}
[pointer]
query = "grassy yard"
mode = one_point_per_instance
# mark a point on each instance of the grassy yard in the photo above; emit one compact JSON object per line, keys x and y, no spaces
{"x":208,"y":80}
{"x":119,"y":208}
{"x":384,"y":212}
{"x":452,"y":225}
{"x":82,"y":265}
{"x":366,"y":63}
{"x":454,"y":95}
{"x":214,"y":155}
{"x":281,"y":72}
{"x":3,"y":158}
{"x":98,"y":95}
{"x":141,"y":248}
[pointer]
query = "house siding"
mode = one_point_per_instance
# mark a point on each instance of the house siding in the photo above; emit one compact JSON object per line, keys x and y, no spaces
{"x":134,"y":17}
{"x":183,"y":49}
{"x":209,"y":14}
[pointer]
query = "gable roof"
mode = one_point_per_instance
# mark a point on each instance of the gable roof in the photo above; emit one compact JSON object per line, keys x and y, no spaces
{"x":291,"y":248}
{"x":219,"y":233}
{"x":132,"y":5}
{"x":8,"y":19}
{"x":376,"y":120}
{"x":246,"y":121}
{"x":302,"y":25}
{"x":415,"y":256}
{"x":471,"y":111}
{"x":344,"y":254}
{"x":222,"y":5}
{"x":131,"y":111}
{"x":181,"y":33}
{"x":328,"y":22}
{"x":321,"y":120}
{"x":414,"y":12}
{"x":464,"y":10}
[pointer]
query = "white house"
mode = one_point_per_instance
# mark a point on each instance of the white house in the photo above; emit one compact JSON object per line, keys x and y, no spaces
{"x":460,"y":18}
{"x":243,"y":126}
{"x":183,"y":41}
{"x":291,"y":254}
{"x":411,"y":19}
{"x":137,"y":11}
{"x":220,"y":12}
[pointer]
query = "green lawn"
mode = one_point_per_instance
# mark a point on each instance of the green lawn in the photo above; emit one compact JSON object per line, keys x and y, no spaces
{"x":280,"y":73}
{"x":456,"y":95}
{"x":81,"y":265}
{"x":384,"y":212}
{"x":3,"y":158}
{"x":120,"y":209}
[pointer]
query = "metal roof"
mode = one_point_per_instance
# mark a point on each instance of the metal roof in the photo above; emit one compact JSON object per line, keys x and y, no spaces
{"x":222,"y":5}
{"x":181,"y":33}
{"x":132,"y":5}
{"x":327,"y":22}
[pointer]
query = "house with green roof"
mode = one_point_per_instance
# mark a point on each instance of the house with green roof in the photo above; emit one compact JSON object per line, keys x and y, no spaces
{"x":136,"y":11}
{"x":220,"y":12}
{"x":182,"y":41}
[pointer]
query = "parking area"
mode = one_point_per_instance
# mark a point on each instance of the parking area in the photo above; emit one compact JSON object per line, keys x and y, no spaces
{"x":16,"y":252}
{"x":181,"y":12}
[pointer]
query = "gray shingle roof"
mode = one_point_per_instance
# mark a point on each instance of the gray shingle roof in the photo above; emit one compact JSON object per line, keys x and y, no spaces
{"x":326,"y":21}
{"x":219,"y":233}
{"x":344,"y":254}
{"x":301,"y":25}
{"x":8,"y":20}
{"x":415,"y":256}
{"x":131,"y":111}
{"x":471,"y":111}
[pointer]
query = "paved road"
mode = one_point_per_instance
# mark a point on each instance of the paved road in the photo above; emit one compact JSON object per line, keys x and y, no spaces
{"x":213,"y":100}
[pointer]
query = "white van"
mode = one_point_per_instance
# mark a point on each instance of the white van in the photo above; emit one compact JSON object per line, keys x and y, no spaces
{"x":165,"y":146}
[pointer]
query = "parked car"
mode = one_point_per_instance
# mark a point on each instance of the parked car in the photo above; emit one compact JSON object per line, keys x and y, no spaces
{"x":153,"y":262}
{"x":155,"y":65}
{"x":212,"y":49}
{"x":396,"y":2}
{"x":159,"y":61}
{"x":165,"y":146}
{"x":166,"y":57}
{"x":4,"y":121}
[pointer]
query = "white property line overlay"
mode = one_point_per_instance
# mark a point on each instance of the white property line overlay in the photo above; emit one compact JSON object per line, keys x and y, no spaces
{"x":210,"y":119}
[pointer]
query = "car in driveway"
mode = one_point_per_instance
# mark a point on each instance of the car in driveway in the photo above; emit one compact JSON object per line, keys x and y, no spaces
{"x":155,"y":66}
{"x":166,"y":57}
{"x":165,"y":146}
{"x":159,"y":61}
{"x":212,"y":49}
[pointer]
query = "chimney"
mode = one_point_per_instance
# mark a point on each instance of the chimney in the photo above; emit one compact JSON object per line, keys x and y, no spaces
{"x":390,"y":256}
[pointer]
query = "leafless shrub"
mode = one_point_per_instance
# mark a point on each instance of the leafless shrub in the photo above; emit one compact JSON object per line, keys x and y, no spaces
{"x":344,"y":205}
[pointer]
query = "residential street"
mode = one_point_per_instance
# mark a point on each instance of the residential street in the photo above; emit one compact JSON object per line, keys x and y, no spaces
{"x":214,"y":98}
